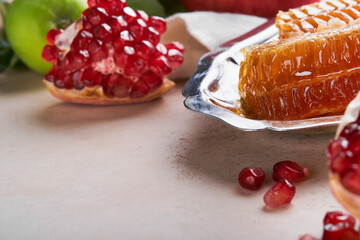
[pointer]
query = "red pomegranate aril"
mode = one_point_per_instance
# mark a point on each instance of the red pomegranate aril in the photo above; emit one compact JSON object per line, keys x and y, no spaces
{"x":139,"y":90}
{"x":91,"y":78}
{"x":151,"y":80}
{"x":117,"y":24}
{"x":109,"y":82}
{"x":143,"y":15}
{"x":341,"y":162}
{"x":98,"y":52}
{"x":103,"y":32}
{"x":161,"y":66}
{"x":152,"y":36}
{"x":129,"y":15}
{"x":77,"y":83}
{"x":51,"y":75}
{"x":289,"y":170}
{"x":280,"y":194}
{"x":123,"y":88}
{"x":79,"y":59}
{"x":51,"y":35}
{"x":60,"y":79}
{"x":95,"y":16}
{"x":144,"y":49}
{"x":175,"y":58}
{"x":350,"y":179}
{"x":137,"y":29}
{"x":339,"y":226}
{"x":114,"y":6}
{"x":159,"y":24}
{"x":134,"y":67}
{"x":93,"y":3}
{"x":49,"y":54}
{"x":83,"y":40}
{"x":86,"y":25}
{"x":251,"y":178}
{"x":175,"y":45}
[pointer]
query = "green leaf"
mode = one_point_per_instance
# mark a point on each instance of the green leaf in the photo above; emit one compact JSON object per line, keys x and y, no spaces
{"x":151,"y":7}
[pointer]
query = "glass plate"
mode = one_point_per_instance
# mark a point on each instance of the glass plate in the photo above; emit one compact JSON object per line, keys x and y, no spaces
{"x":213,"y":89}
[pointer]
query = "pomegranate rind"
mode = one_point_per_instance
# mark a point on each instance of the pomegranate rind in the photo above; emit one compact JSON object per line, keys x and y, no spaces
{"x":95,"y":96}
{"x":348,"y":199}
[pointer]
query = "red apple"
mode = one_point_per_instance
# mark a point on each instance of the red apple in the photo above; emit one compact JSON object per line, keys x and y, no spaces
{"x":262,"y":8}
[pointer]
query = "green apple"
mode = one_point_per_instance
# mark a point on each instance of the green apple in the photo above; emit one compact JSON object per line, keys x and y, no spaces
{"x":28,"y":21}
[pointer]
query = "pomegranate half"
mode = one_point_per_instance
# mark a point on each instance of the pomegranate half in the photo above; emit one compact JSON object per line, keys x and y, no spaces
{"x":111,"y":55}
{"x":344,"y":159}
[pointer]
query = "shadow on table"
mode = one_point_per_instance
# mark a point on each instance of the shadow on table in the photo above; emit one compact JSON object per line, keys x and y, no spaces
{"x":22,"y":80}
{"x":68,"y":116}
{"x":219,"y":152}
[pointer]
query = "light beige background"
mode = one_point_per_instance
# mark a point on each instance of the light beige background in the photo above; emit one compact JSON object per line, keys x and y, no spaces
{"x":146,"y":171}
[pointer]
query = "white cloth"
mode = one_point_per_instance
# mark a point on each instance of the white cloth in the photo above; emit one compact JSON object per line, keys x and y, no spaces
{"x":201,"y":32}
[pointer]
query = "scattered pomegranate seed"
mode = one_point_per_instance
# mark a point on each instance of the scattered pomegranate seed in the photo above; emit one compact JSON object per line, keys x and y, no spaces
{"x":280,"y":194}
{"x":339,"y":226}
{"x":251,"y":178}
{"x":289,"y":170}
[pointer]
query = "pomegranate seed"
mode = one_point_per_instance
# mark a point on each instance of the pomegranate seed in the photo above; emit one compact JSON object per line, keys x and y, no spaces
{"x":87,"y":26}
{"x":143,"y":15}
{"x":97,"y":51}
{"x":123,"y":88}
{"x":63,"y":80}
{"x":144,"y":49}
{"x":91,"y":78}
{"x":129,"y":15}
{"x":161,"y":50}
{"x":51,"y":75}
{"x":95,"y":16}
{"x":79,"y":59}
{"x":280,"y":194}
{"x":135,"y":66}
{"x":137,"y":29}
{"x":77,"y":83}
{"x":251,"y":178}
{"x":161,"y":66}
{"x":114,"y":7}
{"x":93,"y":3}
{"x":82,"y":40}
{"x":152,"y":36}
{"x":139,"y":90}
{"x":117,"y":24}
{"x":350,"y":179}
{"x":339,"y":226}
{"x":51,"y":35}
{"x":49,"y":54}
{"x":289,"y":170}
{"x":151,"y":80}
{"x":109,"y":82}
{"x":175,"y":58}
{"x":103,"y":32}
{"x":175,"y":45}
{"x":159,"y":24}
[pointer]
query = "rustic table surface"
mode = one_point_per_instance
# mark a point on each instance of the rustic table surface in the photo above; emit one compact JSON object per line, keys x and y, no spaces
{"x":145,"y":171}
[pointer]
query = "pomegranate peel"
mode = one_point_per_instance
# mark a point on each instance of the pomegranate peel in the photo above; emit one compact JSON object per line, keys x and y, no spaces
{"x":95,"y":96}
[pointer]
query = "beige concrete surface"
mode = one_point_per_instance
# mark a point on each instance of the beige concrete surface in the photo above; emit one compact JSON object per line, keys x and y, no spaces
{"x":145,"y":171}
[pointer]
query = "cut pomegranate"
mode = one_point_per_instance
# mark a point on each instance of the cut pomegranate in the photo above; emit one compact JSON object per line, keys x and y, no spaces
{"x":112,"y":55}
{"x":280,"y":194}
{"x":308,"y":237}
{"x":339,"y":226}
{"x":344,"y":159}
{"x":289,"y":170}
{"x":251,"y":178}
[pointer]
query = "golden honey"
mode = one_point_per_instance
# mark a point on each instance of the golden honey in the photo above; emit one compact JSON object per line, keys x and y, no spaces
{"x":317,"y":17}
{"x":297,"y":78}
